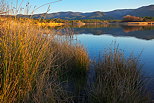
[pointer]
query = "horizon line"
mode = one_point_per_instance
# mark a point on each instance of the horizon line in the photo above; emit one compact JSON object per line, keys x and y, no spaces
{"x":97,"y":10}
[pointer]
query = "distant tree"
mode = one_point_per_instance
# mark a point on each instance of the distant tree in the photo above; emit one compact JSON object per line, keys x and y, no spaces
{"x":92,"y":21}
{"x":57,"y":20}
{"x":130,"y":18}
{"x":148,"y":18}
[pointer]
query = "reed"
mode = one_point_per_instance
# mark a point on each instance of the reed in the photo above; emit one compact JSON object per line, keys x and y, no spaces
{"x":118,"y":79}
{"x":23,"y":51}
{"x":30,"y":61}
{"x":72,"y":57}
{"x":34,"y":59}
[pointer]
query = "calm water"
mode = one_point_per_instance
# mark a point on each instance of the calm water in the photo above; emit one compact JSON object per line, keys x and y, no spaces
{"x":130,"y":39}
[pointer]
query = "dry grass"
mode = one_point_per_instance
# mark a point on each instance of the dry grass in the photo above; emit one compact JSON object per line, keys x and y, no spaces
{"x":118,"y":79}
{"x":34,"y":63}
{"x":75,"y":53}
{"x":23,"y":51}
{"x":30,"y":62}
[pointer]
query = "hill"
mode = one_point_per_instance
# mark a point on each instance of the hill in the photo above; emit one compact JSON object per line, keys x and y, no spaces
{"x":116,"y":14}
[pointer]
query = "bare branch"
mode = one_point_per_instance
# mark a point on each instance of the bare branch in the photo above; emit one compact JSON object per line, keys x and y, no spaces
{"x":45,"y":5}
{"x":4,"y":12}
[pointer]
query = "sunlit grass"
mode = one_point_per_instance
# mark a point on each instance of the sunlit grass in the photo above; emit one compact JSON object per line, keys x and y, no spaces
{"x":30,"y":61}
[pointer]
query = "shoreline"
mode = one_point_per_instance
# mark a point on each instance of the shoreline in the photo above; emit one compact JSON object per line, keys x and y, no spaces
{"x":83,"y":24}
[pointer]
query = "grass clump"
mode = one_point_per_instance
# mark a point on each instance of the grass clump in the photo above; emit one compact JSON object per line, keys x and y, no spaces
{"x":118,"y":79}
{"x":30,"y":61}
{"x":74,"y":65}
{"x":73,"y":58}
{"x":22,"y":54}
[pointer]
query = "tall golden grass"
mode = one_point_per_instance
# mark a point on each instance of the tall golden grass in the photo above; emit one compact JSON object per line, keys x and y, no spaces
{"x":119,"y":79}
{"x":23,"y":51}
{"x":29,"y":62}
{"x":33,"y":61}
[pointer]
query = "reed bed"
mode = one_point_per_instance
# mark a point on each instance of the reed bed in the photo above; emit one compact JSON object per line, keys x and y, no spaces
{"x":73,"y":70}
{"x":30,"y":63}
{"x":118,"y":79}
{"x":23,"y":52}
{"x":35,"y":64}
{"x":71,"y":58}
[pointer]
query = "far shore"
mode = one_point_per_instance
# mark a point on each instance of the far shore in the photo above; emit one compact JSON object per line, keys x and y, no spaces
{"x":106,"y":23}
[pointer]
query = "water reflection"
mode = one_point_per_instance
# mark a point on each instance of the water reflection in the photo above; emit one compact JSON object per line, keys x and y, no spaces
{"x":135,"y":39}
{"x":141,"y":32}
{"x":96,"y":38}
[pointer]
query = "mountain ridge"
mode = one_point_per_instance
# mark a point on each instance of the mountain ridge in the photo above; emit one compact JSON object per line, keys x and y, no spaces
{"x":115,"y":14}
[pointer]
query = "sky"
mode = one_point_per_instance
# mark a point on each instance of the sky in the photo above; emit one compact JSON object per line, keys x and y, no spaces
{"x":86,"y":5}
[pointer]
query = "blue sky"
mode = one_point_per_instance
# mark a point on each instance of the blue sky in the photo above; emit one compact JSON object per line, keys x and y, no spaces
{"x":88,"y":5}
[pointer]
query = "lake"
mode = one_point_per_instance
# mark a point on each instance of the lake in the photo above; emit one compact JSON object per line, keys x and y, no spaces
{"x":131,"y":39}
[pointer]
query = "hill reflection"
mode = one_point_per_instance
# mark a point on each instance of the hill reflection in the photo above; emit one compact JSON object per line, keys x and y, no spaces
{"x":141,"y":32}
